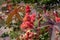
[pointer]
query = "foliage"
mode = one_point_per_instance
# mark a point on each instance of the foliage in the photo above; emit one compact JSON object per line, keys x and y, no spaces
{"x":44,"y":35}
{"x":4,"y":35}
{"x":45,"y":1}
{"x":13,"y":34}
{"x":33,"y":1}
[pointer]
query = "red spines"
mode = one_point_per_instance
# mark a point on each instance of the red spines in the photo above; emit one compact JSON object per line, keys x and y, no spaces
{"x":33,"y":16}
{"x":9,"y":6}
{"x":55,"y":14}
{"x":27,"y":17}
{"x":57,"y":19}
{"x":27,"y":9}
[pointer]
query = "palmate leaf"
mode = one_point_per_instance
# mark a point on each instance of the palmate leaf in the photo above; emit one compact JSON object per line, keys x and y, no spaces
{"x":44,"y":35}
{"x":13,"y":34}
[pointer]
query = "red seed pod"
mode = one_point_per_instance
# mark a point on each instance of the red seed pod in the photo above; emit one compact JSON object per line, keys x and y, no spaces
{"x":57,"y":19}
{"x":26,"y":25}
{"x":55,"y":13}
{"x":23,"y":26}
{"x":27,"y":9}
{"x":31,"y":35}
{"x":33,"y":16}
{"x":29,"y":24}
{"x":27,"y":17}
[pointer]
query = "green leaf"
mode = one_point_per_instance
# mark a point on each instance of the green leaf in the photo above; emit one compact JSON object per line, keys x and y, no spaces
{"x":36,"y":23}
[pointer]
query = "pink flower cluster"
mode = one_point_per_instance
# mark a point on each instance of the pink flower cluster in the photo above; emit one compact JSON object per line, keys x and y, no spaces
{"x":28,"y":20}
